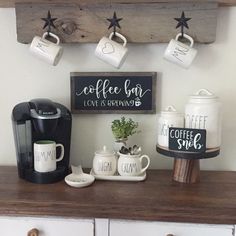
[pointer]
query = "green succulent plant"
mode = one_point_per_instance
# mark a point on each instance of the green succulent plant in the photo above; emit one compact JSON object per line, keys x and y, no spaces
{"x":123,"y":128}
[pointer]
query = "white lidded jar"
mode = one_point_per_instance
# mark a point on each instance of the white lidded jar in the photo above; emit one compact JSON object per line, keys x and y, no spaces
{"x":203,"y":111}
{"x":166,"y":119}
{"x":104,"y":162}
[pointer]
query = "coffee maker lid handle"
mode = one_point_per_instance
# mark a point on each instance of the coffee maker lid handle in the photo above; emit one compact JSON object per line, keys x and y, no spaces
{"x":35,"y":115}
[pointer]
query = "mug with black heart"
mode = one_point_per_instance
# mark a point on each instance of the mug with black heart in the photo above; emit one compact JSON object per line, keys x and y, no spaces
{"x":111,"y":51}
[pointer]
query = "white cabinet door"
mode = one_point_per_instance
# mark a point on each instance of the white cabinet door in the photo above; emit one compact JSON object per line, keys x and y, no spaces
{"x":19,"y":226}
{"x":141,"y":228}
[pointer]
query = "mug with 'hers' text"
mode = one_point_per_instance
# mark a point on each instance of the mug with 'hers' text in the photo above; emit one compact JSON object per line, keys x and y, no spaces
{"x":45,"y":159}
{"x":179,"y":53}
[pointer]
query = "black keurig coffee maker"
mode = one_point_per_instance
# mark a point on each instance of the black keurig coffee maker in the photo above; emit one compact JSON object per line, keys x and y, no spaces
{"x":41,"y":120}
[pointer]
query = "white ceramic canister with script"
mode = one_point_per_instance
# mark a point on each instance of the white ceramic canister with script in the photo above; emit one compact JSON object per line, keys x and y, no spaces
{"x":104,"y":162}
{"x":168,"y":118}
{"x":203,"y":111}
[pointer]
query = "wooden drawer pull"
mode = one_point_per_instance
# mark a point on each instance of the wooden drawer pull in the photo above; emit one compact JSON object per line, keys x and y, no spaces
{"x":33,"y":232}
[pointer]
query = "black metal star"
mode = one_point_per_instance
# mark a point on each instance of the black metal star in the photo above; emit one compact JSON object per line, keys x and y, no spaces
{"x":49,"y":21}
{"x":182,"y":22}
{"x":114,"y":22}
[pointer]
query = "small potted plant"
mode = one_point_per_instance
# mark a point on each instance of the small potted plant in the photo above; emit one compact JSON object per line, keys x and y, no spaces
{"x":122,"y":129}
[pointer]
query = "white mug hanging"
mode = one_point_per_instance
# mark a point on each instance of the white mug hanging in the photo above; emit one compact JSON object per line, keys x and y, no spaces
{"x":46,"y":50}
{"x":180,"y":53}
{"x":112,"y":52}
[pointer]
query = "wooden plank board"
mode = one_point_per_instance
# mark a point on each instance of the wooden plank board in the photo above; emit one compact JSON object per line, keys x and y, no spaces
{"x":142,"y":23}
{"x":211,"y":201}
{"x":11,"y":3}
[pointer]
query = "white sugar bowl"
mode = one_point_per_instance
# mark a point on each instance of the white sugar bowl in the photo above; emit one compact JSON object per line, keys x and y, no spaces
{"x":104,"y":162}
{"x":166,"y":119}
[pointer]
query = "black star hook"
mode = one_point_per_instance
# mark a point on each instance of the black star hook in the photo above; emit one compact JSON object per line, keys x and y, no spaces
{"x":182,"y":22}
{"x":49,"y":21}
{"x":114,"y":22}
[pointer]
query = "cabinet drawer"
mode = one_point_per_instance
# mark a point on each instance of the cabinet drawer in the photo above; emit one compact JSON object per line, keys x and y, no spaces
{"x":140,"y":228}
{"x":19,"y":226}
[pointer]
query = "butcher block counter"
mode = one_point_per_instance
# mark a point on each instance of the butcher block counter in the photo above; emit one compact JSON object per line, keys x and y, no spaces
{"x":159,"y":198}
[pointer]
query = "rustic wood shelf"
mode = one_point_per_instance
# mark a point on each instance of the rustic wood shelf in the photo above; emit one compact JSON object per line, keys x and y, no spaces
{"x":142,"y":23}
{"x":11,"y":3}
{"x":213,"y":200}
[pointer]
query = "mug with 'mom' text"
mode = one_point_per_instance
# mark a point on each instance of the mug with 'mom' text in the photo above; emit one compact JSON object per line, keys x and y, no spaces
{"x":45,"y":159}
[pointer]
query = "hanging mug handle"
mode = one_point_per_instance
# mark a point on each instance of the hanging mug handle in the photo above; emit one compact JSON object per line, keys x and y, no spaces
{"x":148,"y":162}
{"x":119,"y":36}
{"x":52,"y":35}
{"x":187,"y":37}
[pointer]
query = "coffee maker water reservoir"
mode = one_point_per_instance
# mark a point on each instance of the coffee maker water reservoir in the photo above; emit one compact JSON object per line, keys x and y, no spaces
{"x":41,"y":119}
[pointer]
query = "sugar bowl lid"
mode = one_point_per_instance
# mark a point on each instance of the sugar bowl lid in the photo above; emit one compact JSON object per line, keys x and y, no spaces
{"x":104,"y":152}
{"x":170,"y":110}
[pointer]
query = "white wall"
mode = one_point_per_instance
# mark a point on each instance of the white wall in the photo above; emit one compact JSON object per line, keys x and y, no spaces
{"x":23,"y":77}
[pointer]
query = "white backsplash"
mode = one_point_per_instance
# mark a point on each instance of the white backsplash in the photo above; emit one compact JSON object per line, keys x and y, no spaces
{"x":24,"y":77}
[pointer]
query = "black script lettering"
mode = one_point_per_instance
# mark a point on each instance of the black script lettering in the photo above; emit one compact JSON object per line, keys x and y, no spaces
{"x":129,"y":168}
{"x":105,"y":166}
{"x":196,"y":121}
{"x":179,"y":51}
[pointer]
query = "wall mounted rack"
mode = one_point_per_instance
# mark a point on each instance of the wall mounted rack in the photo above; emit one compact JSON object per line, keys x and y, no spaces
{"x":11,"y":3}
{"x":85,"y":22}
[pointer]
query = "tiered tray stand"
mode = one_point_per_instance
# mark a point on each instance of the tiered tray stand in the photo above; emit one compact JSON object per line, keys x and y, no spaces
{"x":187,"y":164}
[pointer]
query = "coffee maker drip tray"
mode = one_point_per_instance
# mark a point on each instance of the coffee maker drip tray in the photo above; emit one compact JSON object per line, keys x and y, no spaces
{"x":46,"y":177}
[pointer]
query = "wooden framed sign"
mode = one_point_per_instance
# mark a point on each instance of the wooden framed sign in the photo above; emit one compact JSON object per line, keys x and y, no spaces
{"x":188,"y":140}
{"x":124,"y":92}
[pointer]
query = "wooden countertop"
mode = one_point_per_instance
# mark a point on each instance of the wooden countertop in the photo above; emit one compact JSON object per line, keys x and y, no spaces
{"x":213,"y":200}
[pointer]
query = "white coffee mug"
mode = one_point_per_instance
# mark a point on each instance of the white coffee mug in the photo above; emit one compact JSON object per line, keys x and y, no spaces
{"x":45,"y":155}
{"x":46,"y":50}
{"x":112,"y":52}
{"x":180,"y":53}
{"x":131,"y":165}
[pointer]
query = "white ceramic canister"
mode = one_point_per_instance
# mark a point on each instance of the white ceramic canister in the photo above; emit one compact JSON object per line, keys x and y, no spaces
{"x":203,"y":111}
{"x":104,"y":162}
{"x":131,"y":165}
{"x":168,"y":118}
